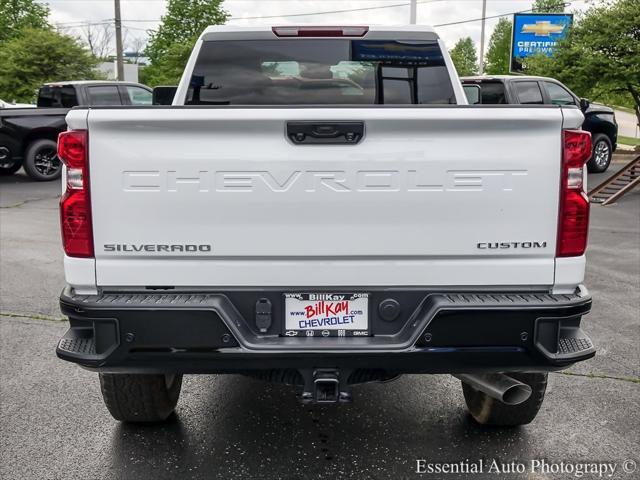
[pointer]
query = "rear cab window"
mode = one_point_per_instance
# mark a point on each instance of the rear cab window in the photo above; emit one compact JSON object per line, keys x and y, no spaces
{"x":320,"y":72}
{"x":492,"y":92}
{"x":57,"y":96}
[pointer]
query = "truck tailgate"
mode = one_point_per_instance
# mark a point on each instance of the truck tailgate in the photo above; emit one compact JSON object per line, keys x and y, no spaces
{"x":437,"y":196}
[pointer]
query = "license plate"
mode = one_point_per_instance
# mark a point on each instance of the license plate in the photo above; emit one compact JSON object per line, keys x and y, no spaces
{"x":326,"y":314}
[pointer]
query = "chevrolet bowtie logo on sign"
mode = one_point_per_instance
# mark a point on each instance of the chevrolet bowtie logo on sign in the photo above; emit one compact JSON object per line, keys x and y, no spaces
{"x":535,"y":33}
{"x":542,"y":29}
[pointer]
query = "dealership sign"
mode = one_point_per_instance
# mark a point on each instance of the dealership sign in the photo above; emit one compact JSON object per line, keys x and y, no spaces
{"x":535,"y":33}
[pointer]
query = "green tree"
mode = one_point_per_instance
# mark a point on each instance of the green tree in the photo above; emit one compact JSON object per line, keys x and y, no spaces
{"x":600,"y":58}
{"x":168,"y":69}
{"x":35,"y":56}
{"x":168,"y":48}
{"x":464,"y":57}
{"x":499,"y":52}
{"x":18,"y":14}
{"x":548,"y":6}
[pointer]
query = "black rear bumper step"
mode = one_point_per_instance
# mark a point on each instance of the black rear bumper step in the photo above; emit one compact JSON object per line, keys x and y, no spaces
{"x":216,"y":332}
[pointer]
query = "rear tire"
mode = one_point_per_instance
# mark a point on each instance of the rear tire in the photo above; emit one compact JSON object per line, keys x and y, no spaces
{"x":8,"y":166}
{"x":140,"y":398}
{"x":488,"y":411}
{"x":41,"y":161}
{"x":601,"y":153}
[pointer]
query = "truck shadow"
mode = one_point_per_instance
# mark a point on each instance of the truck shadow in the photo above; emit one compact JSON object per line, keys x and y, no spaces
{"x":18,"y":177}
{"x":236,"y":426}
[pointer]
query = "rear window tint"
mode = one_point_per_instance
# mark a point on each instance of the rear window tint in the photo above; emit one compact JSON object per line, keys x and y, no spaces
{"x":320,"y":72}
{"x":493,"y":93}
{"x":57,"y":96}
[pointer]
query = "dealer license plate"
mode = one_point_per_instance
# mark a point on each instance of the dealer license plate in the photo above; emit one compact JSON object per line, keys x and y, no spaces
{"x":326,"y":314}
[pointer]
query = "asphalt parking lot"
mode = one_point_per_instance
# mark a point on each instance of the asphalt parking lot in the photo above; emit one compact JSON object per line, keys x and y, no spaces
{"x":53,"y":423}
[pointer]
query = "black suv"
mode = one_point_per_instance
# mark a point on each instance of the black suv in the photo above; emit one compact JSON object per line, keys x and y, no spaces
{"x":598,"y":119}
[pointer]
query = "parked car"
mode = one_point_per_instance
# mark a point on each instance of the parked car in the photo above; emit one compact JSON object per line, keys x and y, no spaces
{"x":516,"y":89}
{"x":28,"y":136}
{"x":323,"y":236}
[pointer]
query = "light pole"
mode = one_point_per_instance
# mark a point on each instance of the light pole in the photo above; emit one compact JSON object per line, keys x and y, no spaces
{"x":413,"y":12}
{"x":481,"y":62}
{"x":119,"y":60}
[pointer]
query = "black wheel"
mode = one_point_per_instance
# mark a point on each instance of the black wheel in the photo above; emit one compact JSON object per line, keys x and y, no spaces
{"x":601,"y":153}
{"x":488,"y":411}
{"x":8,"y":166}
{"x":41,"y":161}
{"x":140,"y":398}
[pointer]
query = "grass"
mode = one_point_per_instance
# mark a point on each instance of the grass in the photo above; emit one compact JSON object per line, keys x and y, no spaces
{"x":624,"y":109}
{"x":628,"y":140}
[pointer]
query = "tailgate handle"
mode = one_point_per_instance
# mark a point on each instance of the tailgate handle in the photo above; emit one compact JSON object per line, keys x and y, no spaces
{"x":314,"y":133}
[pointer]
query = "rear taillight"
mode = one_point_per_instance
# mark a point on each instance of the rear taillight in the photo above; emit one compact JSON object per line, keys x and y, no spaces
{"x":323,"y":31}
{"x":573,"y":215}
{"x":75,"y":204}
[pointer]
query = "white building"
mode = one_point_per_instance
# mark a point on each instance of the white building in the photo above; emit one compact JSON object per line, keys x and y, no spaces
{"x":111,"y":72}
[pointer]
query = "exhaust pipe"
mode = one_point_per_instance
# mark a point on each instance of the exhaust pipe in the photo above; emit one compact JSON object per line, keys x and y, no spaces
{"x":499,"y":386}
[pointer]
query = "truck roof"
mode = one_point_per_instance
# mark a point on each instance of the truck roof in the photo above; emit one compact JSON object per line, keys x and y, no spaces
{"x":505,"y":77}
{"x":213,"y":29}
{"x":90,"y":82}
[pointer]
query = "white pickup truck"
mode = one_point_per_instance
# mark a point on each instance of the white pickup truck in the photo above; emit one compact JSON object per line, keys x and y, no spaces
{"x":321,"y":207}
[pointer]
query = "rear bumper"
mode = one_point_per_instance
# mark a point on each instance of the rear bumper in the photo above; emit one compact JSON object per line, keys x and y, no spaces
{"x":207,"y":332}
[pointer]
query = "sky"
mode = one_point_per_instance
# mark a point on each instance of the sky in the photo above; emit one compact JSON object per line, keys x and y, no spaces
{"x":141,"y":15}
